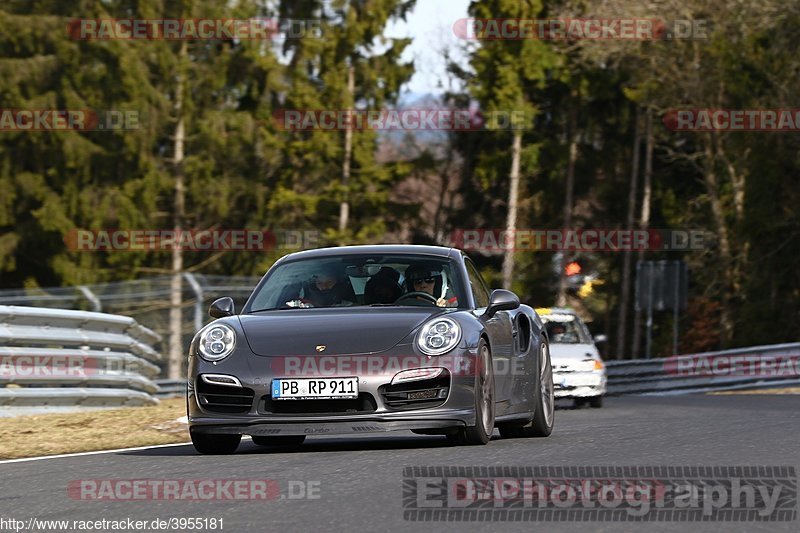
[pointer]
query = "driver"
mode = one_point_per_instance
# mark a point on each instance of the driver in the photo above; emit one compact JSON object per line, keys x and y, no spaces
{"x":425,"y":279}
{"x":556,"y":331}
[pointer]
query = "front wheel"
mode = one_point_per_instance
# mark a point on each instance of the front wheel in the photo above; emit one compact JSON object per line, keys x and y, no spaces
{"x":544,"y":413}
{"x":210,"y":444}
{"x":481,"y":432}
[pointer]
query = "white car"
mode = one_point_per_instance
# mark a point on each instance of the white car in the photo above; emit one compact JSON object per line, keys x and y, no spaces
{"x":578,"y":370}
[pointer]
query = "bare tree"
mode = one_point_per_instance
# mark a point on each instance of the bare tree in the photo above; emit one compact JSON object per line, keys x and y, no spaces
{"x":624,"y":299}
{"x":175,"y":369}
{"x":644,"y":219}
{"x":561,"y":298}
{"x":344,"y":207}
{"x":511,"y":218}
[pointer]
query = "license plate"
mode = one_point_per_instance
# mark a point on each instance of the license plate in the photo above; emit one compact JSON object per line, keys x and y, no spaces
{"x":315,"y":389}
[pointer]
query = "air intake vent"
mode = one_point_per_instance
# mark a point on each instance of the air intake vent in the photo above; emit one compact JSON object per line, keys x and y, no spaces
{"x":419,"y":394}
{"x":224,"y":398}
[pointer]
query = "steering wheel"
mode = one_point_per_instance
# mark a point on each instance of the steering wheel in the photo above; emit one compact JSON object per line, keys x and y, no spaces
{"x":414,"y":295}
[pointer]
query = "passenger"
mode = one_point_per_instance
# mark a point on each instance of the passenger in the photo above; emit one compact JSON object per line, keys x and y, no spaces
{"x":382,"y":288}
{"x":328,"y":289}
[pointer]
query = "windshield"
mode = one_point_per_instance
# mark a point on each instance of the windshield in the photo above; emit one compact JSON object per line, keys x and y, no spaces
{"x":565,"y":329}
{"x":355,"y":280}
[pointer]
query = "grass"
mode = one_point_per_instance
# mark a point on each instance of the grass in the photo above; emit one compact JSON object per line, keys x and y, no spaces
{"x":52,"y":434}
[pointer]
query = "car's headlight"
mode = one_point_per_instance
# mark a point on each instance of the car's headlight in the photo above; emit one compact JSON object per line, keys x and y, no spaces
{"x":589,"y":365}
{"x":439,"y":336}
{"x":216,"y":342}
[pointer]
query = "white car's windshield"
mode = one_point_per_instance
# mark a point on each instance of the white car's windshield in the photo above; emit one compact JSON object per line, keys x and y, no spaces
{"x":368,"y":280}
{"x":565,"y":329}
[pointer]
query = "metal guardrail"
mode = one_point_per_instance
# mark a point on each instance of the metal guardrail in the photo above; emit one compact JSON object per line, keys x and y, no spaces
{"x":756,"y":367}
{"x":57,"y":358}
{"x":171,"y":388}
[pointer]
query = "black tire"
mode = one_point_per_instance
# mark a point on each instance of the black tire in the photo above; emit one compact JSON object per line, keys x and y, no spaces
{"x":279,"y":440}
{"x":481,"y":432}
{"x":210,"y":444}
{"x":596,"y":402}
{"x":512,"y":431}
{"x":544,"y":415}
{"x":544,"y":412}
{"x":579,"y":402}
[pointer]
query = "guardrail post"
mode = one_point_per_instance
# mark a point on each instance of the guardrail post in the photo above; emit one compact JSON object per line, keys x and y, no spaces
{"x":198,"y":304}
{"x":93,"y":299}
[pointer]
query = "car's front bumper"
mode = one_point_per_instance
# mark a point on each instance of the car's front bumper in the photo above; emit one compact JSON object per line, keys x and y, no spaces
{"x":262,"y":415}
{"x":579,"y":384}
{"x":433,"y":421}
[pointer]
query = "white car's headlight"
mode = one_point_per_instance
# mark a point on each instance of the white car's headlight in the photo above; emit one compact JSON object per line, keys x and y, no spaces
{"x":439,"y":336}
{"x":589,"y":365}
{"x":216,"y":342}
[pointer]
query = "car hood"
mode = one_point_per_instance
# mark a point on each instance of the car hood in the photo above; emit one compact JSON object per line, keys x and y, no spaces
{"x":569,"y":353}
{"x":343,"y":331}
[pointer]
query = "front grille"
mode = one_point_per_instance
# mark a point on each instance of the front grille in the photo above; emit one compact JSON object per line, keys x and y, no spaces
{"x":417,"y":394}
{"x":224,"y":399}
{"x":365,"y":403}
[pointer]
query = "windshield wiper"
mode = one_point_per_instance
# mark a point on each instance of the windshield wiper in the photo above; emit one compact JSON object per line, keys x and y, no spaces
{"x":278,"y":308}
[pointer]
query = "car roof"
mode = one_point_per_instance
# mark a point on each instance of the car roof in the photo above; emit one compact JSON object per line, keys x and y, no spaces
{"x":438,"y":251}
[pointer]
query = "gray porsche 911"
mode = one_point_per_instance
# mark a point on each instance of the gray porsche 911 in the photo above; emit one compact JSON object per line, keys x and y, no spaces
{"x":369,"y":339}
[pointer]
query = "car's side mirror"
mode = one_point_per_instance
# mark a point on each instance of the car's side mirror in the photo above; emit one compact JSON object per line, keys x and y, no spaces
{"x":501,"y":300}
{"x":599,"y":339}
{"x":221,"y":308}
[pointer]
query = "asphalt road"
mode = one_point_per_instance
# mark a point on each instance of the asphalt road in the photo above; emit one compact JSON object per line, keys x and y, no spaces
{"x":357,"y":482}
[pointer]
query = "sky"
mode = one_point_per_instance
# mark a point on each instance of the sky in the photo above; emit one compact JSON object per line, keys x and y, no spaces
{"x":430,"y":26}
